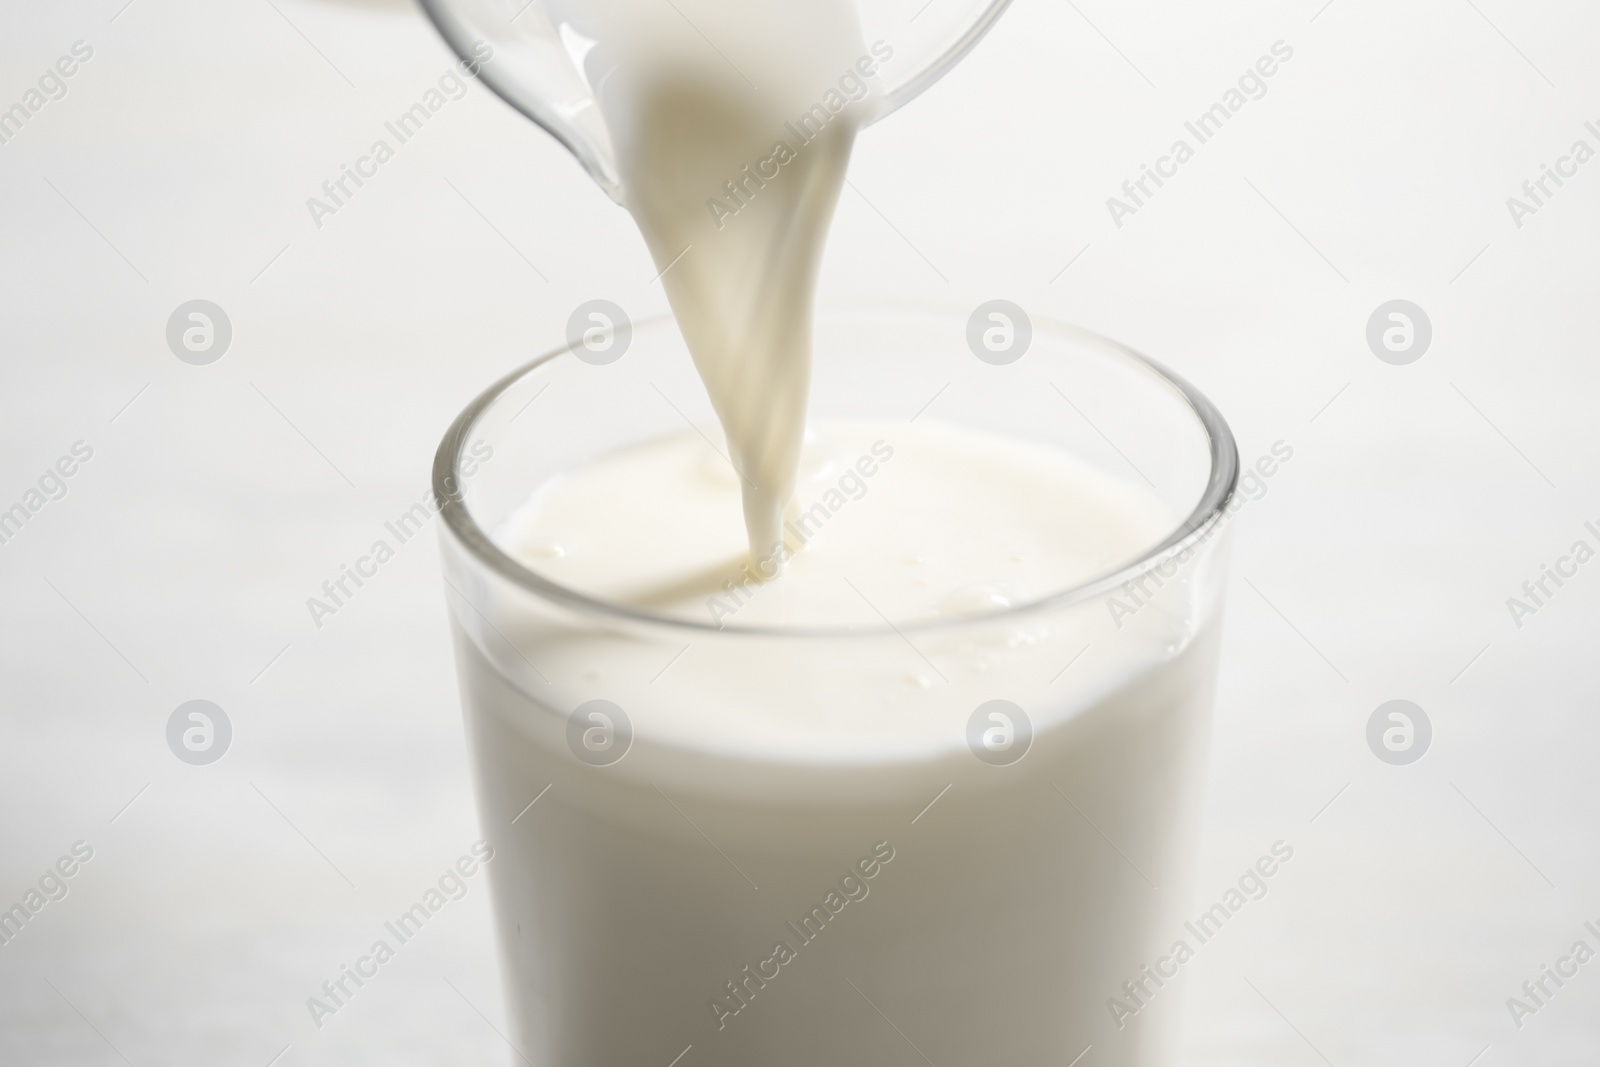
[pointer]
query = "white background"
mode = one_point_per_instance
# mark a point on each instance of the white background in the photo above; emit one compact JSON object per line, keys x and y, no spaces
{"x":1376,"y":567}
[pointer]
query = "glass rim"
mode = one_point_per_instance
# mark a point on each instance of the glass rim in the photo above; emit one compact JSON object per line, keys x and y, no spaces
{"x":1196,"y":528}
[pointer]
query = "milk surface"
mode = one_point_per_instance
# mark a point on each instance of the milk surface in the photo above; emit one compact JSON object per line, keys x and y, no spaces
{"x":912,"y":523}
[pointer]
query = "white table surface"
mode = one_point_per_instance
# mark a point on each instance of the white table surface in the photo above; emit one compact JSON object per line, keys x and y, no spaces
{"x":218,"y":498}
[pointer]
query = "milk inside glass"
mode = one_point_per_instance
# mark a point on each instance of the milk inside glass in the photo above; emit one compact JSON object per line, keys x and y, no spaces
{"x":768,"y":761}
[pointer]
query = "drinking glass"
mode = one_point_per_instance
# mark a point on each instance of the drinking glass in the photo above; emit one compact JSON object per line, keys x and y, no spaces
{"x":976,"y":888}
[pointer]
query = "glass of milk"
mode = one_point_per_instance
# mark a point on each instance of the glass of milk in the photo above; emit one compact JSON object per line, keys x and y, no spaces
{"x":929,"y":795}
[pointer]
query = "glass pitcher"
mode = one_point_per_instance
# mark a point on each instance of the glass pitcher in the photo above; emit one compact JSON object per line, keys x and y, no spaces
{"x":539,"y":52}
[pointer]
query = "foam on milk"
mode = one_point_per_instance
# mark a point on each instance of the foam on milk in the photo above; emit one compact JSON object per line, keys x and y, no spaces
{"x":695,"y":92}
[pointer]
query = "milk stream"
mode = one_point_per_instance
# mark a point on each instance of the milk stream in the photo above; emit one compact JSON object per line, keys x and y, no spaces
{"x":710,"y":101}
